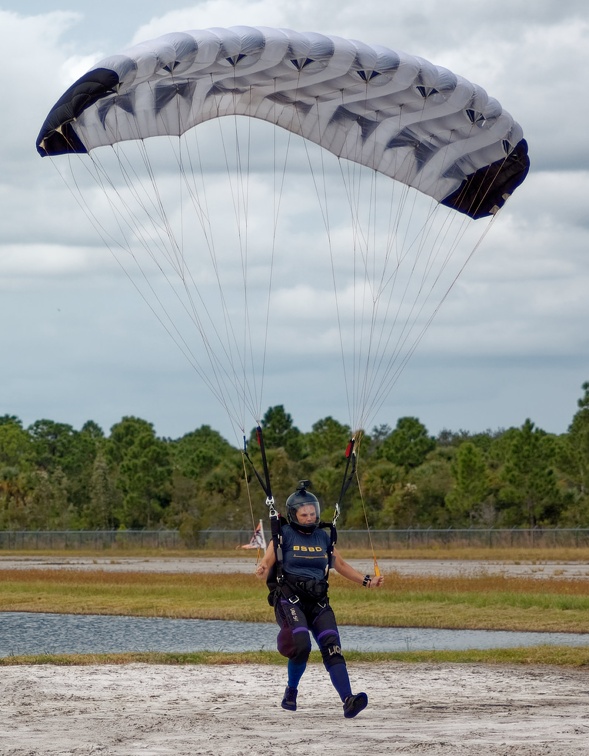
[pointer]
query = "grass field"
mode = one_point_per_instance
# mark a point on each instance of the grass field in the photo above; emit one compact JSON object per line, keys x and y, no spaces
{"x":491,"y":602}
{"x":561,"y":656}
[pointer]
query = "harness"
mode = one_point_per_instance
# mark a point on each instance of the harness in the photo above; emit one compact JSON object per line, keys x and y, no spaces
{"x":278,"y":583}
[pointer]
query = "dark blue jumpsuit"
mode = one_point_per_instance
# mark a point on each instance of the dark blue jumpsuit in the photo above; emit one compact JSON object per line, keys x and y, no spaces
{"x":301,"y":609}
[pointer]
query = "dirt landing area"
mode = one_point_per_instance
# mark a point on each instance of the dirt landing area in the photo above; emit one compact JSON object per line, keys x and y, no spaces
{"x":456,"y":710}
{"x":439,"y":567}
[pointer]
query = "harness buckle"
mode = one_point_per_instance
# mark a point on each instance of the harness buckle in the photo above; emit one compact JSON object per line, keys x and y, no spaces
{"x":294,"y":599}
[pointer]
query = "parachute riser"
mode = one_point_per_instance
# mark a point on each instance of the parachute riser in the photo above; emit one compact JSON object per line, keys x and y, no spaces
{"x":349,"y":474}
{"x":268,"y":487}
{"x":265,"y":480}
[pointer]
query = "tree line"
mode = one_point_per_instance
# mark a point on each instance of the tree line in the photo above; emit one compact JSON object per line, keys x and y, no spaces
{"x":54,"y":477}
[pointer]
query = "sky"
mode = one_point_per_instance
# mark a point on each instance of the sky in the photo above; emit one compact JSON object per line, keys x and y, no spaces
{"x":511,"y":340}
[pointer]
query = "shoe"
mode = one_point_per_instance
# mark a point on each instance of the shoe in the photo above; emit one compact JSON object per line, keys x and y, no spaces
{"x":355,"y":704}
{"x":289,"y":702}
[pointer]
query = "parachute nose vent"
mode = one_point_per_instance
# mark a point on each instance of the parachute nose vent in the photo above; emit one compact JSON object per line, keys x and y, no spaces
{"x":300,"y":63}
{"x":426,"y":92}
{"x":474,"y":116}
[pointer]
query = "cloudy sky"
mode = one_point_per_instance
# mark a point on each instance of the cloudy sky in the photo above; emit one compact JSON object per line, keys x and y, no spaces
{"x":511,"y":341}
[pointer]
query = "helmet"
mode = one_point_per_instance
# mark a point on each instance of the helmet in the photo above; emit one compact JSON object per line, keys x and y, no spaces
{"x":300,"y":498}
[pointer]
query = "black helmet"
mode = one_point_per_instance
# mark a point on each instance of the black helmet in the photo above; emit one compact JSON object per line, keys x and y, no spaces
{"x":298,"y":499}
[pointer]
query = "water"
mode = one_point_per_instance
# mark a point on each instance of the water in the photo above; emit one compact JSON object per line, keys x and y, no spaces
{"x":32,"y":633}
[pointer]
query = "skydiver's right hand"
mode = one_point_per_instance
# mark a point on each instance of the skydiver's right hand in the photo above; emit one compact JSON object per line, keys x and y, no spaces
{"x":261,"y":570}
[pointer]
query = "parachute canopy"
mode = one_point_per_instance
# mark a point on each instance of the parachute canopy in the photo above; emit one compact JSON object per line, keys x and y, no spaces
{"x":395,"y":113}
{"x":285,"y":249}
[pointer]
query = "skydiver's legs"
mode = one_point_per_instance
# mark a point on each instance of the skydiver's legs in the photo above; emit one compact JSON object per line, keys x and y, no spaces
{"x":294,"y":639}
{"x":295,"y":672}
{"x":326,"y":634}
{"x":294,"y":642}
{"x":340,"y":680}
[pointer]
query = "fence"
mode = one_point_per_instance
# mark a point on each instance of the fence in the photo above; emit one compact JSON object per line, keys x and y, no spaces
{"x":391,"y":540}
{"x":79,"y":540}
{"x":383,"y":540}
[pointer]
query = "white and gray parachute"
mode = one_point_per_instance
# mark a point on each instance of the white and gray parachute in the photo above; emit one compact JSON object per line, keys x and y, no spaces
{"x":393,"y":131}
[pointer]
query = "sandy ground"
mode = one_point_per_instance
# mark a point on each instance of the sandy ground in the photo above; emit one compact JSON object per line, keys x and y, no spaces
{"x":234,"y":710}
{"x":576,"y":570}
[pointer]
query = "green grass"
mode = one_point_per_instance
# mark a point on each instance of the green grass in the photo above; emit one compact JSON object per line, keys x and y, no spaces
{"x":562,"y":656}
{"x":211,"y":596}
{"x":484,"y":602}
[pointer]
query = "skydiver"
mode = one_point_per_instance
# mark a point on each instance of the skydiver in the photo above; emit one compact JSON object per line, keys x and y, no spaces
{"x":300,"y":600}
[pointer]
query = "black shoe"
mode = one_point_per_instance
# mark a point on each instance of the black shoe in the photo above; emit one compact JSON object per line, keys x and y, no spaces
{"x":355,"y":704}
{"x":289,"y":702}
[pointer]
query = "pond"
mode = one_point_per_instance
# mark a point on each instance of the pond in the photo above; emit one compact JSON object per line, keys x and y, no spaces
{"x":37,"y":633}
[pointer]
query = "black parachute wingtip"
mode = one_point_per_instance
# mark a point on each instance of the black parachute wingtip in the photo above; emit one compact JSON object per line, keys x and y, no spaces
{"x":51,"y":142}
{"x":484,"y":192}
{"x":57,"y":135}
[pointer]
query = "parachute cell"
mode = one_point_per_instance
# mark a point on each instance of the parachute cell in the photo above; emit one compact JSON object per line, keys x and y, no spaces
{"x":395,"y":113}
